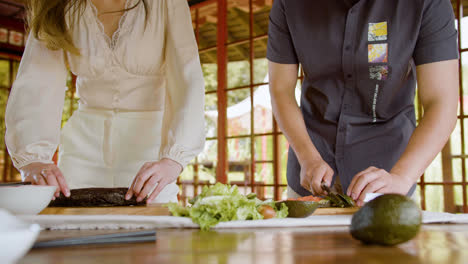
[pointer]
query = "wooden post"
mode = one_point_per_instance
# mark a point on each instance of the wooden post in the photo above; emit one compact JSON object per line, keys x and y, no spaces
{"x":459,"y":16}
{"x":276,"y":161}
{"x":195,"y":166}
{"x":447,"y":174}
{"x":221,"y":175}
{"x":252,"y":109}
{"x":73,"y":90}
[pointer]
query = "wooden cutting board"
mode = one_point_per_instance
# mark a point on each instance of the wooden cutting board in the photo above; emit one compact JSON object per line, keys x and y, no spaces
{"x":336,"y":211}
{"x":157,"y":209}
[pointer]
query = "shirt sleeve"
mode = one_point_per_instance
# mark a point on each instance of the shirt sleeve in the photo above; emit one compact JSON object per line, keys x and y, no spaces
{"x":437,"y":40}
{"x":183,"y":136}
{"x":280,"y":45}
{"x":34,"y":109}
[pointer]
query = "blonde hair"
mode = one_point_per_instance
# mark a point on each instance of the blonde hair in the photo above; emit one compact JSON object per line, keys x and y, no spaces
{"x":47,"y":21}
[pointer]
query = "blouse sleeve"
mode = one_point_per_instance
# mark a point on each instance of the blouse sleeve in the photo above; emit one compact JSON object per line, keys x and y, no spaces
{"x":183,"y":135}
{"x":35,"y":105}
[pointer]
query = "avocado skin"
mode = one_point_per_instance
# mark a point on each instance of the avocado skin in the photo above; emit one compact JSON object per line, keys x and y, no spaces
{"x":299,"y":209}
{"x":388,"y":220}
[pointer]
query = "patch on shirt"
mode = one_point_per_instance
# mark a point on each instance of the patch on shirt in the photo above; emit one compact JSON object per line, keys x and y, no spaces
{"x":377,"y":31}
{"x":379,"y":73}
{"x":374,"y":104}
{"x":378,"y":53}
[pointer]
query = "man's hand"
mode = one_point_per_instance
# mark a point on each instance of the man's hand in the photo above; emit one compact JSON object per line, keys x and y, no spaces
{"x":313,"y":173}
{"x":375,"y":180}
{"x":159,"y":173}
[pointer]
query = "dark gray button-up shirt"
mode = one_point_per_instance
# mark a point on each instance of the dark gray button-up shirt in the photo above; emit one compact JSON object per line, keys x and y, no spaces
{"x":359,"y":60}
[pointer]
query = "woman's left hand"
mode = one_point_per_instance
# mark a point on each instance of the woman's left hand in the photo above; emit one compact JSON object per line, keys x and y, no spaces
{"x":375,"y":180}
{"x":160,"y":172}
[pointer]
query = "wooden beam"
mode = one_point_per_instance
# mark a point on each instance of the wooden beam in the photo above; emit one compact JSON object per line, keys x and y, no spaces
{"x":11,"y":23}
{"x":244,"y":5}
{"x":211,"y":58}
{"x":243,"y":52}
{"x":194,"y":4}
{"x":245,"y":22}
{"x":9,"y":56}
{"x":205,"y":19}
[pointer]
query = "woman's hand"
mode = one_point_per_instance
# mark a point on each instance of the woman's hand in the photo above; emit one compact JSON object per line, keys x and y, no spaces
{"x":45,"y":174}
{"x":313,"y":173}
{"x":159,"y":173}
{"x":374,"y":180}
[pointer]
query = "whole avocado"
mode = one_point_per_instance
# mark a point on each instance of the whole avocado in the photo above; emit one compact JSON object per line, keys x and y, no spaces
{"x":387,"y":220}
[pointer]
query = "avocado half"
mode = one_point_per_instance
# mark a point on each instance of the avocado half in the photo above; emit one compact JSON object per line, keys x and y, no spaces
{"x":387,"y":220}
{"x":299,"y":209}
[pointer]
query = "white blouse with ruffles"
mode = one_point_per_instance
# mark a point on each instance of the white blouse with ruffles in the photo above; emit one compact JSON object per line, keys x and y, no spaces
{"x":152,"y":67}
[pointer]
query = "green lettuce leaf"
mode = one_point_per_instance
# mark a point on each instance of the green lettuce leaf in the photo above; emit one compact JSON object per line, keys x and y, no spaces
{"x":221,"y":203}
{"x":178,"y":210}
{"x":282,"y":212}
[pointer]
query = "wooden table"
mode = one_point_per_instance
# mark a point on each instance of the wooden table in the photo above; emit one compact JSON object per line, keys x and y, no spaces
{"x":434,"y":244}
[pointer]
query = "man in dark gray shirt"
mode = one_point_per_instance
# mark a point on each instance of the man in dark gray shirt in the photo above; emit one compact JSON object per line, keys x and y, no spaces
{"x":357,"y":121}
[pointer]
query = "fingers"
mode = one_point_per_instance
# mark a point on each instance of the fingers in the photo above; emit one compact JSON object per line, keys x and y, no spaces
{"x":328,"y":178}
{"x":62,"y":183}
{"x":39,"y":179}
{"x":149,"y":186}
{"x":152,"y":174}
{"x":356,"y":177}
{"x":370,"y":188}
{"x":370,"y":169}
{"x":312,"y":177}
{"x":138,"y":182}
{"x":130,"y":190}
{"x":30,"y":179}
{"x":317,"y":181}
{"x":142,"y":177}
{"x":305,"y":182}
{"x":363,"y":180}
{"x":49,"y":175}
{"x":46,"y":174}
{"x":157,"y":190}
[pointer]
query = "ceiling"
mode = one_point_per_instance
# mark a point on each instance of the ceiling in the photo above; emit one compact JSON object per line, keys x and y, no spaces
{"x":14,"y":9}
{"x":238,"y":28}
{"x":237,"y":18}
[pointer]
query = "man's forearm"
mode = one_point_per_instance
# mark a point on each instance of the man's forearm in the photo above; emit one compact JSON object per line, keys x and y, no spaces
{"x":438,"y":91}
{"x":291,"y":122}
{"x":426,"y":142}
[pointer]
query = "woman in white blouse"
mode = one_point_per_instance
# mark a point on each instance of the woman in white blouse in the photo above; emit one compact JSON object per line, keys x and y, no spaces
{"x":140,"y":118}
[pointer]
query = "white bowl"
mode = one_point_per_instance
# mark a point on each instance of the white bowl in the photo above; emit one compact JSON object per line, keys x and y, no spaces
{"x":16,"y":237}
{"x":26,"y":199}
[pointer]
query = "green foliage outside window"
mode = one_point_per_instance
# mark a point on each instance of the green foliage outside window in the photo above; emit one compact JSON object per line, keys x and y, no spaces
{"x":4,"y":73}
